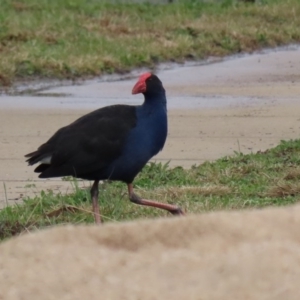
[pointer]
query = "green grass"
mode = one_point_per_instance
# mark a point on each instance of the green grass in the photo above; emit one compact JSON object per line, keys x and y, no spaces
{"x":80,"y":38}
{"x":269,"y":178}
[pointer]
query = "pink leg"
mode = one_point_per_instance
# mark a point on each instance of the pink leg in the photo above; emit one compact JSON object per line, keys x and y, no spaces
{"x":173,"y":209}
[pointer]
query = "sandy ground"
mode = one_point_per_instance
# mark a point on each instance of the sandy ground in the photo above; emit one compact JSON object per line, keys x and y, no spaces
{"x":243,"y":104}
{"x":253,"y":255}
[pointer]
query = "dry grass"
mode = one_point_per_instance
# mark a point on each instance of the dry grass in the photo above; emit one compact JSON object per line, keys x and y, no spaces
{"x":174,"y":193}
{"x":65,"y":39}
{"x":293,"y":174}
{"x":284,"y":189}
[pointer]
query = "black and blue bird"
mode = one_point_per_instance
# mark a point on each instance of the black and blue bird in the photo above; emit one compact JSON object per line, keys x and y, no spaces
{"x":113,"y":142}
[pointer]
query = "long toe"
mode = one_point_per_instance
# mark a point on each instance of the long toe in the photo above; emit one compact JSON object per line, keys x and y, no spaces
{"x":178,"y":211}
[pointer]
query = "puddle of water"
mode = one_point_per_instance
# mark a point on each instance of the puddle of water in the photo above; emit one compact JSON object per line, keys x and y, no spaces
{"x":14,"y":102}
{"x":186,"y":85}
{"x":32,"y":87}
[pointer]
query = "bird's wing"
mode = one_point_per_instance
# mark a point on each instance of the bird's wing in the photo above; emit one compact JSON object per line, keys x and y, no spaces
{"x":86,"y":145}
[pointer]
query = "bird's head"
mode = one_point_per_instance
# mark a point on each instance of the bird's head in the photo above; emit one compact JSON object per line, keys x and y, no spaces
{"x":147,"y":83}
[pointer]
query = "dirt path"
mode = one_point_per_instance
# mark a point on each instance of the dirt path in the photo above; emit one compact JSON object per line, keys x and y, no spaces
{"x":244,"y":104}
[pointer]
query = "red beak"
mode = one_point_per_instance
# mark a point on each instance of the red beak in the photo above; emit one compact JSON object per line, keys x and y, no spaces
{"x":140,"y":87}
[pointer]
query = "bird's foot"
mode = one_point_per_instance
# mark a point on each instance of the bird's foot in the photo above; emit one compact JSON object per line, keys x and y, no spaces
{"x":177,"y":211}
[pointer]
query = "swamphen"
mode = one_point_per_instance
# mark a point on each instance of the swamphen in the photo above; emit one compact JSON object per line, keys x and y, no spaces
{"x":113,"y":142}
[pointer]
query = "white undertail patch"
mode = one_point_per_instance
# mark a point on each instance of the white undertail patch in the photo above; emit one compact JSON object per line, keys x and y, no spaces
{"x":46,"y":160}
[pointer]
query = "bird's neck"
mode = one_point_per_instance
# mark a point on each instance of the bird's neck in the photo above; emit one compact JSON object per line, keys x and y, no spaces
{"x":155,"y":99}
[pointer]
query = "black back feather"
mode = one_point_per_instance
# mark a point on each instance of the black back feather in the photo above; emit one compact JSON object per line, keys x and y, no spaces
{"x":90,"y":143}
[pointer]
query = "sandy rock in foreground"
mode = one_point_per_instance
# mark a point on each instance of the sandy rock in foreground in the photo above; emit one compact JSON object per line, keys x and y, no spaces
{"x":226,"y":255}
